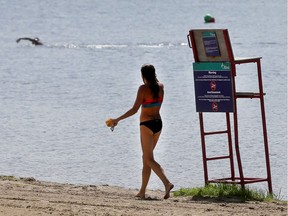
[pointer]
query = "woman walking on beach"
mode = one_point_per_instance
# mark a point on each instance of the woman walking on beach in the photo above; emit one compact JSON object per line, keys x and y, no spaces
{"x":150,"y":95}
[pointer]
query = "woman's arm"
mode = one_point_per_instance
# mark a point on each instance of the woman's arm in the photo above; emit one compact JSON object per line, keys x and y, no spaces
{"x":134,"y":109}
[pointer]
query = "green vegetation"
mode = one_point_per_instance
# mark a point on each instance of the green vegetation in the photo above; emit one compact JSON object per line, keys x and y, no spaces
{"x":225,"y":191}
{"x":8,"y":178}
{"x":13,"y":178}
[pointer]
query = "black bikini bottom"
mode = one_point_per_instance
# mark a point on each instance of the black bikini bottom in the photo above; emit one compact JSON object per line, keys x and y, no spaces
{"x":154,"y":125}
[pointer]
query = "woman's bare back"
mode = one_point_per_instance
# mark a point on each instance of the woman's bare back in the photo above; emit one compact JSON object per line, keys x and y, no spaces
{"x":151,"y":112}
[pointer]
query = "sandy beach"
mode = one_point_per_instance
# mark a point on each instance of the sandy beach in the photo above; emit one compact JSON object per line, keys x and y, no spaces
{"x":29,"y":197}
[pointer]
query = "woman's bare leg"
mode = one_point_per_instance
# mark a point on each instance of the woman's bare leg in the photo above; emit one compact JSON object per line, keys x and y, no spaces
{"x":148,"y":142}
{"x":146,"y":171}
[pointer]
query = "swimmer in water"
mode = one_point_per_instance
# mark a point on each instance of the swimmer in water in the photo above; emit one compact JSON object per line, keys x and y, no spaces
{"x":35,"y":41}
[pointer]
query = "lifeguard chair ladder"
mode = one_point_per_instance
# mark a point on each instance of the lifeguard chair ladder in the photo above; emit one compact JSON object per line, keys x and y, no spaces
{"x":225,"y":54}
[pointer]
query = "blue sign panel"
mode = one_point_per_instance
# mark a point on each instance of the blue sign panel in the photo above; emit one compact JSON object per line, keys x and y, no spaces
{"x":213,"y":87}
{"x":210,"y":44}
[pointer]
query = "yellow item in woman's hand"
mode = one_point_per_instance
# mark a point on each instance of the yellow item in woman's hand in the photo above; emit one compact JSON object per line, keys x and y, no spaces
{"x":110,"y":124}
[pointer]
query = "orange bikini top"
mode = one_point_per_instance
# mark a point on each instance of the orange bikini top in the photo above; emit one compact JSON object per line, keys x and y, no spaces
{"x":152,"y":102}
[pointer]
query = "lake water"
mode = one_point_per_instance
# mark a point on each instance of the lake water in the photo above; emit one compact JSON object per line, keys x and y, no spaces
{"x":54,"y":99}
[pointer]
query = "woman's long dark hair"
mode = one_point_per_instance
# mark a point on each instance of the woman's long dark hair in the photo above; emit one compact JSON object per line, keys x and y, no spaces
{"x":149,"y":74}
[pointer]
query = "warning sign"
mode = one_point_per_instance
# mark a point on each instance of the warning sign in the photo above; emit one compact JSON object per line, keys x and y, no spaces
{"x":213,"y":87}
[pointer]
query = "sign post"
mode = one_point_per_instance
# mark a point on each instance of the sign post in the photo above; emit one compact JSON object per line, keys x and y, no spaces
{"x":215,"y":91}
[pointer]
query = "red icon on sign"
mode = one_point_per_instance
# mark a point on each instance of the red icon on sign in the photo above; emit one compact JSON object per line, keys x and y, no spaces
{"x":213,"y":85}
{"x":214,"y":107}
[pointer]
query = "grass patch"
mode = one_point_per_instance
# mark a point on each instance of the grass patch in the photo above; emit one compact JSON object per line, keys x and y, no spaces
{"x":13,"y":178}
{"x":8,"y":178}
{"x":225,"y":191}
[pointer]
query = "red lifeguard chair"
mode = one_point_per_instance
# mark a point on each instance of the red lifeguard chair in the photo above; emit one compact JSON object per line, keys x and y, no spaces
{"x":212,"y":47}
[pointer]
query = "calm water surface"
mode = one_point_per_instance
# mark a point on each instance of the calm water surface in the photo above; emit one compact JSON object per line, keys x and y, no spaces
{"x":54,"y":99}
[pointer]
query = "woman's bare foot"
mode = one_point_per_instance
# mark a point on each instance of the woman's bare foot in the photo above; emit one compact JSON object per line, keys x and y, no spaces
{"x":168,"y":188}
{"x":140,"y":195}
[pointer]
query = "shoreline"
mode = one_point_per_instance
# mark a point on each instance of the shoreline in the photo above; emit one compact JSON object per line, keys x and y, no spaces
{"x":27,"y":196}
